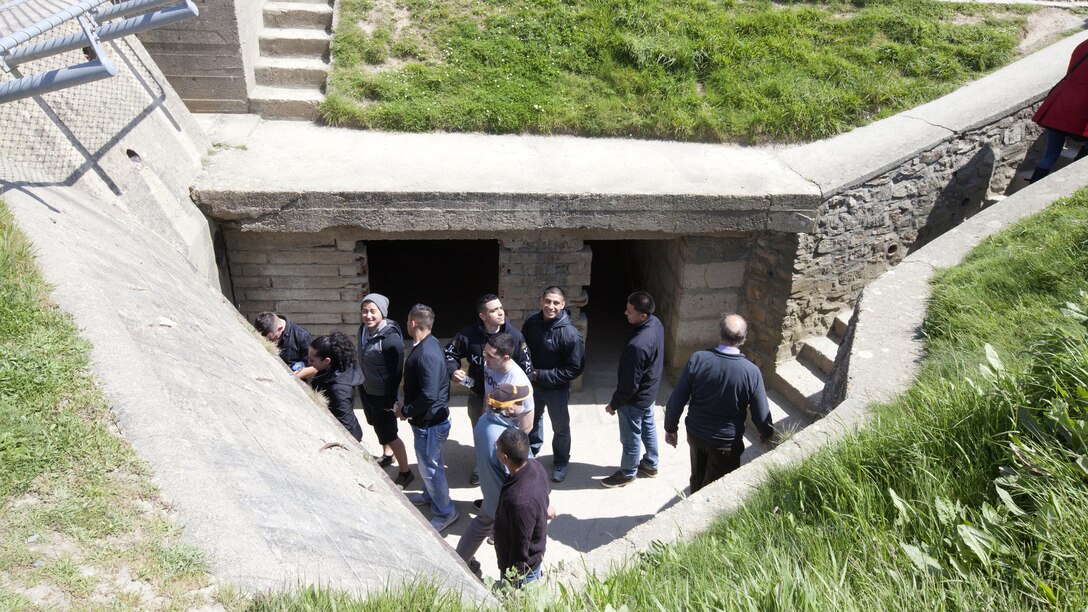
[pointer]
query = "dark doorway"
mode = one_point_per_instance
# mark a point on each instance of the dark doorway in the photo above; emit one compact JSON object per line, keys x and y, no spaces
{"x":447,"y":275}
{"x":621,"y":267}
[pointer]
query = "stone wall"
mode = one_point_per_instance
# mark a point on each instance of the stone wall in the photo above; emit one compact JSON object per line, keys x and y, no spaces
{"x":864,"y":230}
{"x":713,"y":274}
{"x":209,"y":60}
{"x":529,"y":264}
{"x":315,"y":280}
{"x":767,"y":284}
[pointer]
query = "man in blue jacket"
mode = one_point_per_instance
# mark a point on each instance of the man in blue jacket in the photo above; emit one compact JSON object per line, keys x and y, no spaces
{"x":641,"y":367}
{"x":559,"y":356}
{"x":720,"y":386}
{"x":426,"y":406}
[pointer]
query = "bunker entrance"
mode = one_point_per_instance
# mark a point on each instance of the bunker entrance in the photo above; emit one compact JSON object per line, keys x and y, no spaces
{"x":621,"y":267}
{"x":447,"y":275}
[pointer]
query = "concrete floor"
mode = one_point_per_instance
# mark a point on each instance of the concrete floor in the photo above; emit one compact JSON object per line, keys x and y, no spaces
{"x":590,"y":515}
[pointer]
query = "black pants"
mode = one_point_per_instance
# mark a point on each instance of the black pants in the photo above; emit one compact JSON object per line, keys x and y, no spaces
{"x":709,"y":461}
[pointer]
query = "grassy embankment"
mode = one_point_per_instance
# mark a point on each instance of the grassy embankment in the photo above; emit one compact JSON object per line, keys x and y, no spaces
{"x":704,"y":70}
{"x":81,"y":524}
{"x":969,"y":492}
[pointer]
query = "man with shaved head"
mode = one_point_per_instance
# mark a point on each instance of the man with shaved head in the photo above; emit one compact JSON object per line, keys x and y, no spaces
{"x":720,"y":386}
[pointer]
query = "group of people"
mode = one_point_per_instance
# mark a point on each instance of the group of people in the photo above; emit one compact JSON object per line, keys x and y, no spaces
{"x":515,"y":377}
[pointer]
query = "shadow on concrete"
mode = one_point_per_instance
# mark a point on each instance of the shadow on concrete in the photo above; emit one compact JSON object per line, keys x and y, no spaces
{"x":583,"y":537}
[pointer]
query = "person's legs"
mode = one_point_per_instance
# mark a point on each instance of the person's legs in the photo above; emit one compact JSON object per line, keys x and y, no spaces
{"x":698,"y":458}
{"x":422,"y":460}
{"x":559,"y":414}
{"x":536,"y":434}
{"x":478,"y":529}
{"x":630,"y":420}
{"x":475,"y":409}
{"x":1055,"y":142}
{"x":721,"y":461}
{"x":441,"y":505}
{"x":379,"y":414}
{"x":649,"y":437}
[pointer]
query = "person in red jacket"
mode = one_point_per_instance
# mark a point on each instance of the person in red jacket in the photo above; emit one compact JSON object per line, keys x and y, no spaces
{"x":1064,"y":112}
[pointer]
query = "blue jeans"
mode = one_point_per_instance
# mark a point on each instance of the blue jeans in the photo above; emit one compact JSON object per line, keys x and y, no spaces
{"x":429,"y":443}
{"x":637,"y":423}
{"x":557,"y":404}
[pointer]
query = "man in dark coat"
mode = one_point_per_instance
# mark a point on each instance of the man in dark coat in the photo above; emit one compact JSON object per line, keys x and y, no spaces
{"x":426,"y":405}
{"x":720,"y":387}
{"x":521,"y":521}
{"x":293,"y":340}
{"x":641,"y":366}
{"x":558,"y":352}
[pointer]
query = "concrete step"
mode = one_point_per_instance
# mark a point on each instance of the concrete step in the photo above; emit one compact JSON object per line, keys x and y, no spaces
{"x":296,"y":72}
{"x":821,"y":352}
{"x":800,"y":383}
{"x":842,"y":321}
{"x":297,"y":15}
{"x":293,"y":42}
{"x":284,"y":103}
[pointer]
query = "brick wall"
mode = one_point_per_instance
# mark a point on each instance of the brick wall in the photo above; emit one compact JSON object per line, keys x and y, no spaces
{"x":528,"y":265}
{"x":314,"y":280}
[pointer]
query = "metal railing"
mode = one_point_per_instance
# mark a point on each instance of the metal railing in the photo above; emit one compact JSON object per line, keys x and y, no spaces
{"x":132,"y":16}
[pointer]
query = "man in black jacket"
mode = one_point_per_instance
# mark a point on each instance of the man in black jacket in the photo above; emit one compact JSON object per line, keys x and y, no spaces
{"x":426,"y":406}
{"x":469,"y":344}
{"x":293,"y":340}
{"x":641,"y":367}
{"x":558,"y":351}
{"x":720,"y":386}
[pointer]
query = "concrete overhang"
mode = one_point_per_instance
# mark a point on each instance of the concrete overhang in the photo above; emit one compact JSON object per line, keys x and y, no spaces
{"x":297,"y":177}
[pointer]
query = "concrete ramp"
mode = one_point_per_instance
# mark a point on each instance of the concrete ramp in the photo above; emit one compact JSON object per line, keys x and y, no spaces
{"x":234,"y":442}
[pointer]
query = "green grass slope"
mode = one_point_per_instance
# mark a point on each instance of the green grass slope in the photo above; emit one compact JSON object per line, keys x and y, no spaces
{"x":703,"y":70}
{"x":81,"y":525}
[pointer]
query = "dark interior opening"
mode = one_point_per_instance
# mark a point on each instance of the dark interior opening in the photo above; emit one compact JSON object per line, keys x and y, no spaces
{"x":447,"y":275}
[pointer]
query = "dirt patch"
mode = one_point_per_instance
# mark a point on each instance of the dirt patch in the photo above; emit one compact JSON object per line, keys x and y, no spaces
{"x":1046,"y":24}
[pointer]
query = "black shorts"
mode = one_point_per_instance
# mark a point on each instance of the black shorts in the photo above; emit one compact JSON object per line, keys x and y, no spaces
{"x":379,"y":415}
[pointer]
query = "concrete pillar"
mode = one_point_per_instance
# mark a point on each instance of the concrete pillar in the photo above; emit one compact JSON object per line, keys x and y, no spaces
{"x":711,"y":276}
{"x":528,"y":265}
{"x":316,"y":280}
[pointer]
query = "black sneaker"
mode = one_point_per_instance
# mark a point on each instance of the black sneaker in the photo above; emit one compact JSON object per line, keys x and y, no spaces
{"x":647,"y":471}
{"x":478,"y":504}
{"x":404,"y":479}
{"x":619,"y":479}
{"x":384,"y":460}
{"x":474,"y":480}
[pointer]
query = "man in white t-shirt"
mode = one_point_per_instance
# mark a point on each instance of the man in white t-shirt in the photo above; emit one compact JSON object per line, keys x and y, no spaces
{"x":501,"y":369}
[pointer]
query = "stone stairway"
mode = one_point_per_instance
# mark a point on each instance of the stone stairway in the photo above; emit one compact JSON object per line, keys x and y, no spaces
{"x":294,"y":61}
{"x":801,"y":380}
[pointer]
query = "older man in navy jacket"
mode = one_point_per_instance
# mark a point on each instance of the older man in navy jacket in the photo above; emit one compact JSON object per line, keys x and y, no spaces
{"x":720,"y":386}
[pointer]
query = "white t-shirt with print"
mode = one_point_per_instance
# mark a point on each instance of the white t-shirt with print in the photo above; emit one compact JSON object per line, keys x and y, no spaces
{"x":515,"y":376}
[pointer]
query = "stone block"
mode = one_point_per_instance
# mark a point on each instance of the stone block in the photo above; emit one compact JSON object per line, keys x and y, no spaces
{"x":248,"y":257}
{"x":708,"y":304}
{"x":315,"y":257}
{"x":278,"y":295}
{"x":312,"y":306}
{"x":245,"y":282}
{"x":319,"y":282}
{"x":352,"y":271}
{"x":291,"y":270}
{"x":725,"y":274}
{"x":310,"y":319}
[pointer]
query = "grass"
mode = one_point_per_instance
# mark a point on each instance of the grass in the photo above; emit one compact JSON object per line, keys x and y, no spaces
{"x":699,"y":70}
{"x":968,"y":492}
{"x":77,"y":508}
